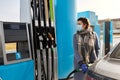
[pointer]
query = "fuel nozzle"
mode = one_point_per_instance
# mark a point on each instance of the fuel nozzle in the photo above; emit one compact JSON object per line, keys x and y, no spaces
{"x":51,"y":37}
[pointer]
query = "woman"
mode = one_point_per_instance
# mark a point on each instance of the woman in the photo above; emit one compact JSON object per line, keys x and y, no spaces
{"x":86,"y":47}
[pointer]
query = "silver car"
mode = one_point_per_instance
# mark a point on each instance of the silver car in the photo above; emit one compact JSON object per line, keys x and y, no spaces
{"x":107,"y":68}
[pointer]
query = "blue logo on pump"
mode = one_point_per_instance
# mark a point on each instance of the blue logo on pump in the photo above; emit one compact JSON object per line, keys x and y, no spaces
{"x":18,"y":55}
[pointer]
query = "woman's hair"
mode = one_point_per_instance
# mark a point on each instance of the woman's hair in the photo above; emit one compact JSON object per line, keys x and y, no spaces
{"x":84,"y":21}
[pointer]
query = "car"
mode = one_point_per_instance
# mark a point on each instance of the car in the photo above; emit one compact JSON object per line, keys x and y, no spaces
{"x":108,"y":67}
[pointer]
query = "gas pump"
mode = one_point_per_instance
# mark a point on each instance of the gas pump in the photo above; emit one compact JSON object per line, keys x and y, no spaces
{"x":20,"y":42}
{"x":15,"y":52}
{"x":44,"y":40}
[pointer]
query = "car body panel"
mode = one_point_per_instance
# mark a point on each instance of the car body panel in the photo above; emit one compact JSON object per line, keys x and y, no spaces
{"x":107,"y":68}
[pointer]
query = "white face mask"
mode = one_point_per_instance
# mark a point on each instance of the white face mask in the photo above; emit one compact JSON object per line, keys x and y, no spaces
{"x":79,"y":27}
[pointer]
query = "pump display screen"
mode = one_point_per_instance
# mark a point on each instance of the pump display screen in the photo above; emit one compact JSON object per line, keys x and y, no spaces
{"x":15,"y":32}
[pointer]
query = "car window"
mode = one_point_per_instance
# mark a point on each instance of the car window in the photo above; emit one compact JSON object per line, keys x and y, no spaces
{"x":115,"y":52}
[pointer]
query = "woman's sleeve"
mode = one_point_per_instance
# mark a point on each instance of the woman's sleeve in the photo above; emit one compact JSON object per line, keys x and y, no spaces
{"x":76,"y":54}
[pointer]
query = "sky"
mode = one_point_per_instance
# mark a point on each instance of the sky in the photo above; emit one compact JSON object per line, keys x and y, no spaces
{"x":10,"y":9}
{"x":103,"y":8}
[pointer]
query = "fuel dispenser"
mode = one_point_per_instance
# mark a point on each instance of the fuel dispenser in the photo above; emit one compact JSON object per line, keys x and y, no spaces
{"x":15,"y":52}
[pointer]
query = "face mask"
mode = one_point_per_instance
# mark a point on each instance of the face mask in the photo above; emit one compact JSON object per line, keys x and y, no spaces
{"x":79,"y":27}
